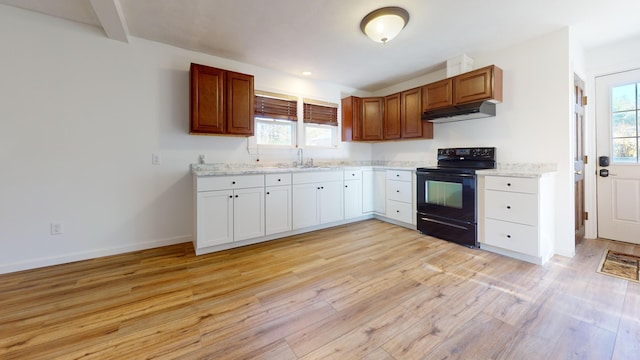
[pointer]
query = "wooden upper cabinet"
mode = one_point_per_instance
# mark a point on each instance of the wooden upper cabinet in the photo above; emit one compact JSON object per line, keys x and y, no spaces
{"x":351,"y":119}
{"x":411,"y":113}
{"x":221,"y":101}
{"x":207,"y":100}
{"x":437,"y":95}
{"x":372,"y":118}
{"x":240,"y":97}
{"x":392,"y":117}
{"x":477,"y":85}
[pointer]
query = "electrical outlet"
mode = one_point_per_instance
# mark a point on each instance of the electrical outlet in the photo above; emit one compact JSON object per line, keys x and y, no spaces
{"x":57,"y":229}
{"x":155,"y":159}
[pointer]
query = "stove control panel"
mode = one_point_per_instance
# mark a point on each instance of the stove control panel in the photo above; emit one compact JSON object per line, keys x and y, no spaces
{"x":480,"y":153}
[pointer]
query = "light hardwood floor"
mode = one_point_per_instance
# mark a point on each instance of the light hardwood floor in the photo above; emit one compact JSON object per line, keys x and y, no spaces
{"x":368,"y":290}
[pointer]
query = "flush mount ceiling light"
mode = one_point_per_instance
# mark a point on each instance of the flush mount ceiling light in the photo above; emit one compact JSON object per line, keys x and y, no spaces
{"x":384,"y":24}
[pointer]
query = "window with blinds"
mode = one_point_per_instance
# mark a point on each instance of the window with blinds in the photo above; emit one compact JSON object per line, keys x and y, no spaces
{"x":275,"y":116}
{"x":320,"y":123}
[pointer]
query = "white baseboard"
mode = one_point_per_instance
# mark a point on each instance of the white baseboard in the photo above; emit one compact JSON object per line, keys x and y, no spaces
{"x":92,"y":254}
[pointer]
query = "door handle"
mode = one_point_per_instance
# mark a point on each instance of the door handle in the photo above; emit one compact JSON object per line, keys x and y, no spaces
{"x":579,"y":172}
{"x":606,"y":173}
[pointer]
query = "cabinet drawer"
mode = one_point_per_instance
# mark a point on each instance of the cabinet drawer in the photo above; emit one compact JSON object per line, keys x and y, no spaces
{"x":399,"y":191}
{"x":316,"y":177}
{"x":401,"y":175}
{"x":513,"y":207}
{"x":513,"y":184}
{"x":277,"y":179}
{"x":229,"y":182}
{"x":510,"y":236}
{"x":400,"y":211}
{"x":352,"y":175}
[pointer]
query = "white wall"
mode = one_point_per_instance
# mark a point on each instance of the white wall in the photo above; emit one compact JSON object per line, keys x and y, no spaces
{"x":533,"y":123}
{"x":80,"y":116}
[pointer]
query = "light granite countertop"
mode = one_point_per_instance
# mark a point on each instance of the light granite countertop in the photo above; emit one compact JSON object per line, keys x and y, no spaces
{"x":224,"y":169}
{"x":520,"y":170}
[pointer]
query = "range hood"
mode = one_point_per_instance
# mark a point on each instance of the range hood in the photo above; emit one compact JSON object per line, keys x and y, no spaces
{"x":461,"y":112}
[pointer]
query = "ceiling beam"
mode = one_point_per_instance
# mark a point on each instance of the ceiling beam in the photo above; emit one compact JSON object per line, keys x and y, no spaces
{"x":112,"y":19}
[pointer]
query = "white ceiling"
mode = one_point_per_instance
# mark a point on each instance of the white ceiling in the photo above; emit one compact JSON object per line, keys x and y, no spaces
{"x":323,"y":36}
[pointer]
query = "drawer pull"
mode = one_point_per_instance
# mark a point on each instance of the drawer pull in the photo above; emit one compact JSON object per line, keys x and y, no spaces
{"x":397,"y":175}
{"x":268,"y":193}
{"x":508,"y":184}
{"x":397,"y":191}
{"x":279,"y":179}
{"x":398,"y":211}
{"x":508,"y":207}
{"x":230,"y":196}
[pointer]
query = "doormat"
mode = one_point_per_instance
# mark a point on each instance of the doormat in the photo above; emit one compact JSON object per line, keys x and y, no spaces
{"x":624,"y":266}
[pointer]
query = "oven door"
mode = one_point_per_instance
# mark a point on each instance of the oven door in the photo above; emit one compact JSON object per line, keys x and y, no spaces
{"x":447,"y":196}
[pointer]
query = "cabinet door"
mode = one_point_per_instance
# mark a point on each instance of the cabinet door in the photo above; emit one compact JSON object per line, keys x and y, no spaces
{"x":411,"y":113}
{"x":305,"y":205}
{"x":248,"y":213}
{"x":379,"y":191}
{"x":438,"y":94}
{"x":473,"y":86}
{"x":214,"y":218}
{"x":372,"y":118}
{"x":351,"y":119}
{"x":367,"y":191}
{"x":278,"y":209}
{"x":330,"y":201}
{"x":240,"y":97}
{"x":392,"y":117}
{"x":207,"y":100}
{"x":353,"y":198}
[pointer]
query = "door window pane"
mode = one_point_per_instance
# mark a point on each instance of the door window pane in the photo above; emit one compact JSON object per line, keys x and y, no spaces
{"x":624,"y":123}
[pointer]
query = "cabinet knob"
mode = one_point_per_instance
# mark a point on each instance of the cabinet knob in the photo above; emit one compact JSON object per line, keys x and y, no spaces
{"x":398,"y":211}
{"x":318,"y":188}
{"x":397,"y":191}
{"x":508,"y":184}
{"x":397,"y":175}
{"x":346,"y":186}
{"x":321,"y":187}
{"x":353,"y":174}
{"x":508,"y":207}
{"x":509,"y":236}
{"x":233,"y":182}
{"x":279,"y":179}
{"x":236,"y":195}
{"x":268,"y":193}
{"x":230,"y":196}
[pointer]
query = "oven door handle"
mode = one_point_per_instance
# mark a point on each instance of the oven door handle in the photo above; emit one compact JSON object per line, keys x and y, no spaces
{"x":444,"y":223}
{"x":439,"y":175}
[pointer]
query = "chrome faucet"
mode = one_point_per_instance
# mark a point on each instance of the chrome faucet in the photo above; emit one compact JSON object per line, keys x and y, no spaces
{"x":300,"y":157}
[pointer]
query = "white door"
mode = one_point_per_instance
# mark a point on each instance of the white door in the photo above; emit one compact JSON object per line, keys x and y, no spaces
{"x":618,"y":185}
{"x":278,"y":209}
{"x":305,"y":205}
{"x":352,"y":198}
{"x":214,"y":218}
{"x":330,"y":201}
{"x":248,"y":216}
